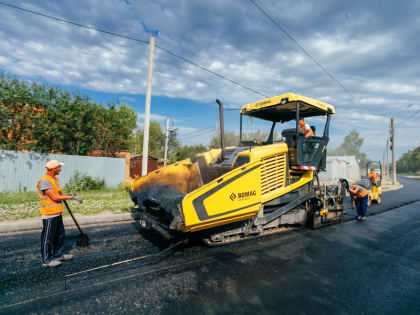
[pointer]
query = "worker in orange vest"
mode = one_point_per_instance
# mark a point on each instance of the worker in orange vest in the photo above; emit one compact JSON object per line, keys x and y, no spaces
{"x":373,"y":177}
{"x":361,"y":195}
{"x":53,"y":235}
{"x":305,"y":129}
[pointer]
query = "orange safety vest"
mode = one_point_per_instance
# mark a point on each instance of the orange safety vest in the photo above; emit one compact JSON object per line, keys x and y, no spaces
{"x":360,"y":191}
{"x":306,"y":129}
{"x":373,"y":177}
{"x":49,"y":206}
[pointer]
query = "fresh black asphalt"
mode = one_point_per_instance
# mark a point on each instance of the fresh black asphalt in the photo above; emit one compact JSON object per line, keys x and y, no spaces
{"x":369,"y":267}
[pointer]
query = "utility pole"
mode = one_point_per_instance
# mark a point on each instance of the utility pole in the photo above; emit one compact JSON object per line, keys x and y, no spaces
{"x":383,"y":163}
{"x":387,"y":158}
{"x":135,"y":141}
{"x":394,"y":164}
{"x":165,"y":160}
{"x":147,"y":109}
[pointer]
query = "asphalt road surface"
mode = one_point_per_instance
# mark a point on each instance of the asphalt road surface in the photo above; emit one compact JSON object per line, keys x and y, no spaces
{"x":369,"y":267}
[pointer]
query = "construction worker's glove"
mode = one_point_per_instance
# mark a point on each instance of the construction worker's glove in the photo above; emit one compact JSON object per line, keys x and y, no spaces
{"x":77,"y":198}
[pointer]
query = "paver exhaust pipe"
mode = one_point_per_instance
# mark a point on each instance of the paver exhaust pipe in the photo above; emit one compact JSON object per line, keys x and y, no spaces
{"x":222,"y":130}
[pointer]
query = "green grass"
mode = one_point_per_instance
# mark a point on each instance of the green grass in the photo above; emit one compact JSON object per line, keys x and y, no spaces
{"x":15,"y":206}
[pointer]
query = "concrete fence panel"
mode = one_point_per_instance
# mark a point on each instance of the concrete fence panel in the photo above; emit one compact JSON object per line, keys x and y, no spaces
{"x":20,"y":171}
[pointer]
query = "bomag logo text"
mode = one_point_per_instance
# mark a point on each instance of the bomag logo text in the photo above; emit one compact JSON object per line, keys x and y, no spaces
{"x":246,"y":194}
{"x":259,"y":104}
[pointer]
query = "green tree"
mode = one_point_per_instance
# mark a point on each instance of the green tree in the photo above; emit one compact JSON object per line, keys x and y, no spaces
{"x":191,"y":151}
{"x":351,"y":146}
{"x":409,"y":162}
{"x":231,"y":139}
{"x":17,"y":112}
{"x":259,"y":135}
{"x":41,"y":118}
{"x":114,"y":126}
{"x":156,"y":140}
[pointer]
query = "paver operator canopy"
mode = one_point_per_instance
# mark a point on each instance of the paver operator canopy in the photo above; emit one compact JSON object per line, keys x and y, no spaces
{"x":286,"y":107}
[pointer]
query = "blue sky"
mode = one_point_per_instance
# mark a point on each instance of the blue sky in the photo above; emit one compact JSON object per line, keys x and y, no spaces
{"x":371,"y":48}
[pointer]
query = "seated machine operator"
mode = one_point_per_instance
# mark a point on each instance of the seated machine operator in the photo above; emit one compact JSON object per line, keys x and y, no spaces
{"x":305,"y":129}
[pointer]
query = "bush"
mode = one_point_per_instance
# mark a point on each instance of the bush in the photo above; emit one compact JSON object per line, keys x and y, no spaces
{"x":83,"y":182}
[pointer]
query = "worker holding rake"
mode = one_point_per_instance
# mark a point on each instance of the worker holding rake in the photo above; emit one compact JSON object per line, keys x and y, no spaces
{"x":51,"y":197}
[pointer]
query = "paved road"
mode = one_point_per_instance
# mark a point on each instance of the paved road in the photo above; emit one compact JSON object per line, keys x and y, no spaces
{"x":349,"y":268}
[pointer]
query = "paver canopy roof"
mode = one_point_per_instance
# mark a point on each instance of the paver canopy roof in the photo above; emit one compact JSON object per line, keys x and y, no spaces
{"x":282,"y":108}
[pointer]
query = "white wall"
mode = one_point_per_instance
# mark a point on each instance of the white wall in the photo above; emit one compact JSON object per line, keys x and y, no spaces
{"x":23,"y":169}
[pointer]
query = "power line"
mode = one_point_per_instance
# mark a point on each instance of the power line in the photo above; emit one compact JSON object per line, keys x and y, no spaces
{"x":409,"y":117}
{"x":404,"y":109}
{"x":73,"y":23}
{"x":198,"y":134}
{"x":301,"y":48}
{"x":210,"y":71}
{"x":195,"y":135}
{"x":190,"y":133}
{"x":137,"y":40}
{"x":359,"y":127}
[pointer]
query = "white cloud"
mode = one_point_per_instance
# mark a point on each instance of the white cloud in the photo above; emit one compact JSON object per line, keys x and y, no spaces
{"x":152,"y":117}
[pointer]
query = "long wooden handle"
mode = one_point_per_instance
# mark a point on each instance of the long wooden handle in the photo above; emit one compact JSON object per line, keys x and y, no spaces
{"x":72,"y":216}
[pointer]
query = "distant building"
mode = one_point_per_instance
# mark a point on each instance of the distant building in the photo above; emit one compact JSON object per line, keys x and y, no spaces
{"x":341,"y":167}
{"x":136,"y":163}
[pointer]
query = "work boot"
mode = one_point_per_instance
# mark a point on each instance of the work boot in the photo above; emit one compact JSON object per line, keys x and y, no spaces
{"x":363,"y":218}
{"x":66,"y":257}
{"x":52,"y":263}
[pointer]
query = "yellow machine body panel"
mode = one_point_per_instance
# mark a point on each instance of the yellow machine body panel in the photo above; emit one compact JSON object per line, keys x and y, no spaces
{"x":375,"y":193}
{"x":235,"y":196}
{"x":183,"y":175}
{"x":238,"y":194}
{"x":211,"y":155}
{"x":304,"y":178}
{"x":266,"y":151}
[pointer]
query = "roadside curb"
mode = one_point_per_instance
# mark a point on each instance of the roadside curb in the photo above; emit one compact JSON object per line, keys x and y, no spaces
{"x":395,"y":188}
{"x":35,"y":224}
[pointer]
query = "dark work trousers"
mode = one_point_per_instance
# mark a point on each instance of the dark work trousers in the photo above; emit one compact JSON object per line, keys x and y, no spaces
{"x":361,"y":205}
{"x":52,"y":238}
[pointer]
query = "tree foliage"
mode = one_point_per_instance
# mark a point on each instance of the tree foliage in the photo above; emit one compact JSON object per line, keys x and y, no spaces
{"x":38,"y":117}
{"x":190,"y":151}
{"x":351,"y":146}
{"x":156,"y":142}
{"x":409,"y":162}
{"x":232,"y":139}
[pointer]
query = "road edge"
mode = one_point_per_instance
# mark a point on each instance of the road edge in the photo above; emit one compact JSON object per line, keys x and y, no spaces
{"x":35,"y":224}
